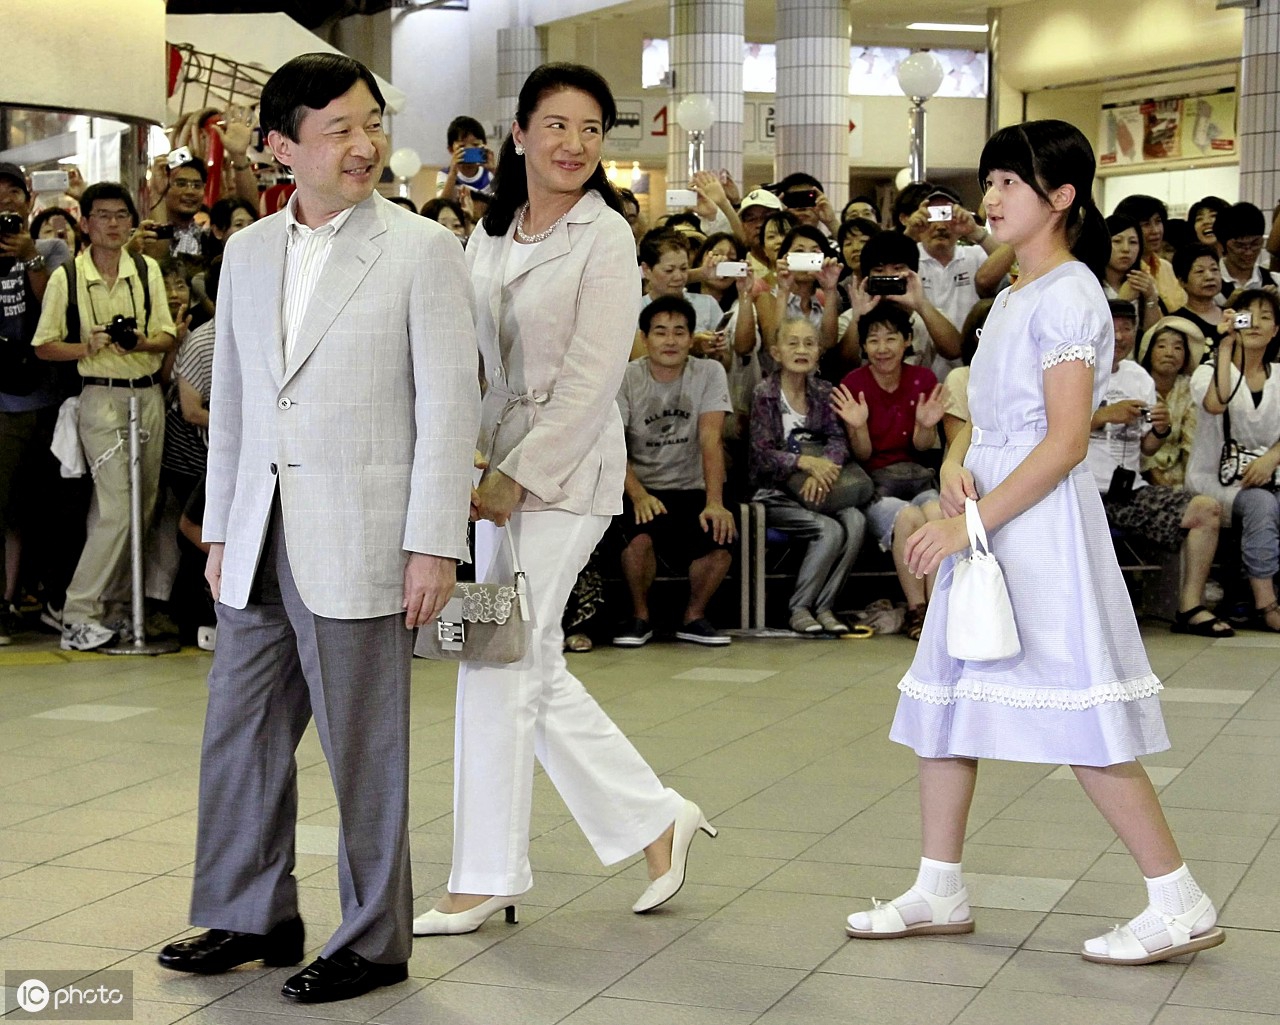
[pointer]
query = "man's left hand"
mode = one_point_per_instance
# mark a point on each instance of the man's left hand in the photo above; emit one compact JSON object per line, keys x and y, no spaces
{"x":428,"y":585}
{"x":719,"y":521}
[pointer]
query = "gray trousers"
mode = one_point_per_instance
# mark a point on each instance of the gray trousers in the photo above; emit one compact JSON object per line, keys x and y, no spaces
{"x":834,"y":542}
{"x":278,"y":664}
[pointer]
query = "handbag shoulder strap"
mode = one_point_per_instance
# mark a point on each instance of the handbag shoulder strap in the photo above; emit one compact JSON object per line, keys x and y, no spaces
{"x":973,"y":523}
{"x":511,"y":546}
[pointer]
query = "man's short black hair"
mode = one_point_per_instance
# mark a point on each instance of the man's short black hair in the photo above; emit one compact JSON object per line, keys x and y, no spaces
{"x":889,"y":314}
{"x":797,"y":180}
{"x":668,"y":304}
{"x":310,"y":81}
{"x":460,"y":127}
{"x":887,"y":248}
{"x":1184,"y":259}
{"x":1240,"y":220}
{"x":192,"y":165}
{"x":107,"y":190}
{"x":405,"y":202}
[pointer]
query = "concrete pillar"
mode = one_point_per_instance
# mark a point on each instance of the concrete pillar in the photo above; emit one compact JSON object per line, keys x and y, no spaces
{"x":812,"y":113}
{"x":706,"y":57}
{"x":1259,"y":132}
{"x":519,"y":53}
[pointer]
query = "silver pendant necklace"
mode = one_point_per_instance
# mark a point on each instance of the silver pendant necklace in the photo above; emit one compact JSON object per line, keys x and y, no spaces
{"x":540,"y":236}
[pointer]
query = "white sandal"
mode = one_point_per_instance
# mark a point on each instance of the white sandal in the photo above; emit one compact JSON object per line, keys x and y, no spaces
{"x":887,"y":922}
{"x":1122,"y":947}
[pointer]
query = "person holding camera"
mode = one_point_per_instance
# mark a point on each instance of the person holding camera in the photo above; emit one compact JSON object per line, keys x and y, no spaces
{"x":179,"y":233}
{"x":29,"y":396}
{"x":116,"y":325}
{"x":1131,"y":423}
{"x":1236,"y":449}
{"x":890,"y":263}
{"x":802,"y":196}
{"x":471,"y":162}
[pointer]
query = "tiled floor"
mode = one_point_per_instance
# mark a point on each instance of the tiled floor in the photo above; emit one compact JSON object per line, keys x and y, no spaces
{"x":783,"y":742}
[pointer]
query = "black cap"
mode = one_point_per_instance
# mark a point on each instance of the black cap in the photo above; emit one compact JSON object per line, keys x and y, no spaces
{"x":1123,"y":308}
{"x":14,"y":173}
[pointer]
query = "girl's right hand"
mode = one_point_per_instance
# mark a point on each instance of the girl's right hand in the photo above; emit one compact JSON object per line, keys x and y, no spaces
{"x":957,"y":485}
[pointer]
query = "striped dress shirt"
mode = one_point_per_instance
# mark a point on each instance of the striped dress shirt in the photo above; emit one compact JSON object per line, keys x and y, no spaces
{"x":306,"y":251}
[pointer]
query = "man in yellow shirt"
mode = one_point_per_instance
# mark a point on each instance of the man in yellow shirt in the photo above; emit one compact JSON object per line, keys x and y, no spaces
{"x":116,"y":359}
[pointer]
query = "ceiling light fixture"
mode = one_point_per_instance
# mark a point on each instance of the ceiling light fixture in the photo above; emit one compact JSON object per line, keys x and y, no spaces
{"x":940,"y":26}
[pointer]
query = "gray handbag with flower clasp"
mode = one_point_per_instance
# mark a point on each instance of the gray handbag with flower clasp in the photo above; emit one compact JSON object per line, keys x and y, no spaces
{"x":481,"y":622}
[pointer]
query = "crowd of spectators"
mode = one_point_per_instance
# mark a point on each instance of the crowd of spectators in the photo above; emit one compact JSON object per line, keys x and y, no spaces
{"x":809,"y":359}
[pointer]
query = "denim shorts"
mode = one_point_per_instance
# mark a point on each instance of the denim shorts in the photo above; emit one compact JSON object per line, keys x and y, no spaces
{"x":883,"y":513}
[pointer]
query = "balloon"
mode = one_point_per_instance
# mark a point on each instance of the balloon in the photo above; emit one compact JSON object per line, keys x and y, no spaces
{"x":696,"y":113}
{"x":920,"y":74}
{"x":405,"y":163}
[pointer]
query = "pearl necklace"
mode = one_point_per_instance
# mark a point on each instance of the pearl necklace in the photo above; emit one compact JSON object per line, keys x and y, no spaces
{"x":1023,"y":279}
{"x":541,"y":236}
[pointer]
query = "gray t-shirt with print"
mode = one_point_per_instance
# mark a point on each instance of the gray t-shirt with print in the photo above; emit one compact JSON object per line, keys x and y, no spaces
{"x":661,"y":421}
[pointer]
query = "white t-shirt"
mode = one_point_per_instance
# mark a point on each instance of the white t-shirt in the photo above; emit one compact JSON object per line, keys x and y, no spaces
{"x":661,"y":421}
{"x":951,"y":288}
{"x":1114,"y":445}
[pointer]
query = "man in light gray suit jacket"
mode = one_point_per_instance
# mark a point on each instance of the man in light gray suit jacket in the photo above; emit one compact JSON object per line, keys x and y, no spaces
{"x":343,"y":421}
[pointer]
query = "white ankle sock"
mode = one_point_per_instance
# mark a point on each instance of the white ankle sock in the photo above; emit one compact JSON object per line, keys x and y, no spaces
{"x":1174,"y":894}
{"x":938,"y":878}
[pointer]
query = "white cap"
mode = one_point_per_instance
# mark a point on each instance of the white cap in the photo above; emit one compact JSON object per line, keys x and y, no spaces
{"x":761,"y":197}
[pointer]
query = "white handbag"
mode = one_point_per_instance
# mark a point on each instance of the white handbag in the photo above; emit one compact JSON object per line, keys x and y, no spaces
{"x":980,"y":626}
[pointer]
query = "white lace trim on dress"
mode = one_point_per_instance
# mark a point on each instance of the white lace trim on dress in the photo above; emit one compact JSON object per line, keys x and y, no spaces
{"x":1031,"y":697}
{"x":1067,"y":353}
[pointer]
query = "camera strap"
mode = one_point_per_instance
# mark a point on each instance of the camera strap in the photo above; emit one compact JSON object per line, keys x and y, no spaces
{"x":73,"y":296}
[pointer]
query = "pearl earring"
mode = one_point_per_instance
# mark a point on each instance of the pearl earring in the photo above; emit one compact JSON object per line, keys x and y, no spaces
{"x":519,"y":150}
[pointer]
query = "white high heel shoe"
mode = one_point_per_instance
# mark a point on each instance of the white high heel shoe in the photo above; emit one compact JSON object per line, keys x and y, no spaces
{"x":437,"y":923}
{"x":688,"y":822}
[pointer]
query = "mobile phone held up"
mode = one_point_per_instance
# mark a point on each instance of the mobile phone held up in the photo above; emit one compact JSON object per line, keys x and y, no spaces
{"x":804,"y":262}
{"x":886,"y":284}
{"x":473,"y":155}
{"x":681,"y":198}
{"x":731,"y":269}
{"x":939,"y":213}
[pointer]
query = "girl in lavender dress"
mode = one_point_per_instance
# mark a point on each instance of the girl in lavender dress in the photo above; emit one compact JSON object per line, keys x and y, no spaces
{"x":1081,"y":692}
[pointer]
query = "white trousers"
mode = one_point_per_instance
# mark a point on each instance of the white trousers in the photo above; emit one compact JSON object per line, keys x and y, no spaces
{"x":507,"y":715}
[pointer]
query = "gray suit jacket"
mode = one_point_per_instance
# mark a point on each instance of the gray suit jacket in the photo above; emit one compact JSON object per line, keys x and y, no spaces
{"x":369,"y":431}
{"x":554,"y":341}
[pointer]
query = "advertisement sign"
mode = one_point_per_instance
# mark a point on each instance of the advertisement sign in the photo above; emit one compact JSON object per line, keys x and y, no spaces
{"x":1170,"y":128}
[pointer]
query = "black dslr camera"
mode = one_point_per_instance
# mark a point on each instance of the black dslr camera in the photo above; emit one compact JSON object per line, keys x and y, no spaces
{"x":123,"y":331}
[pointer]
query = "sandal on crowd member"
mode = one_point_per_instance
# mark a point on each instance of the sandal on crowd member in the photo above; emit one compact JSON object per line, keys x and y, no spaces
{"x":1211,"y":627}
{"x":1261,"y":616}
{"x":913,"y":625}
{"x":885,"y":922}
{"x":1171,"y":936}
{"x":578,"y":642}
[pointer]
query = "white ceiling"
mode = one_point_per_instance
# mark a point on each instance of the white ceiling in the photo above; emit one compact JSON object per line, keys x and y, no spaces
{"x":873,"y":21}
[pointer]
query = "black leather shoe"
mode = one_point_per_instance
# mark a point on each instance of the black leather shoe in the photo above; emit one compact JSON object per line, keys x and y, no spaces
{"x":341,"y":977}
{"x":220,"y":950}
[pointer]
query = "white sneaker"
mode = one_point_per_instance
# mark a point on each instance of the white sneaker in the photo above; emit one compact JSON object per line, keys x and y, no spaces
{"x":85,"y":636}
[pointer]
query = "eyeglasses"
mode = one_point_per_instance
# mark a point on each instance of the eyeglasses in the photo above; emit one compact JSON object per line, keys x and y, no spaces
{"x":799,"y":343}
{"x":1246,"y":243}
{"x":110,"y":216}
{"x":187,"y":184}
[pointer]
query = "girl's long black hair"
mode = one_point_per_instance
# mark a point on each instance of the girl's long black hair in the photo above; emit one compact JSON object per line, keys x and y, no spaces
{"x":510,"y":186}
{"x":1047,"y":155}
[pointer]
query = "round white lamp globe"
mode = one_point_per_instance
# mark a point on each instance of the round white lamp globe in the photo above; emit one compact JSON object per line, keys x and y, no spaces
{"x":405,"y":163}
{"x":920,"y":74}
{"x":903,"y":179}
{"x":696,"y":113}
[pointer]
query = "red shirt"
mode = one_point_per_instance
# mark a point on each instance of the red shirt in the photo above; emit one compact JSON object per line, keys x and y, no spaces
{"x":891,"y":419}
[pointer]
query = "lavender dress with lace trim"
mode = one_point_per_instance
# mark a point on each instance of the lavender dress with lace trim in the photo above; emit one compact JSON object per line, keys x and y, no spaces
{"x":1081,"y":691}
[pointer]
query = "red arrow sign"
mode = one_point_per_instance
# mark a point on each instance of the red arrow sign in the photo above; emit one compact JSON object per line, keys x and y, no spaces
{"x":852,"y":126}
